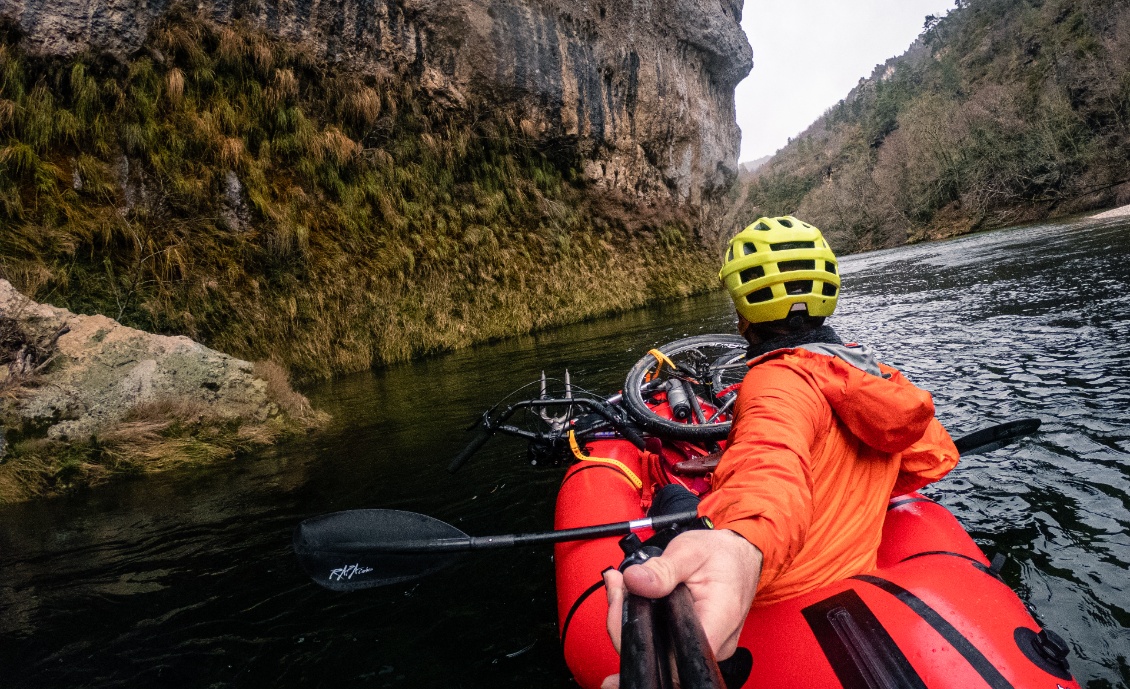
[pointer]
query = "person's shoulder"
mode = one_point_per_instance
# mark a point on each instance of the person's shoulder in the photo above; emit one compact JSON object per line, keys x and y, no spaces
{"x":856,"y":355}
{"x":781,"y":368}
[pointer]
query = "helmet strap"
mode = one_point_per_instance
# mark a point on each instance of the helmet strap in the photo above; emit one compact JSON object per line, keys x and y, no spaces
{"x":797,"y":321}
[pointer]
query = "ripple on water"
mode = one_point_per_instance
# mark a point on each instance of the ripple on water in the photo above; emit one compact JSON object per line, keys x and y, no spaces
{"x":186,"y":580}
{"x":1004,"y":333}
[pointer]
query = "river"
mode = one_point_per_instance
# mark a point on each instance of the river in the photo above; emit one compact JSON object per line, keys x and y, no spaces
{"x":186,"y":579}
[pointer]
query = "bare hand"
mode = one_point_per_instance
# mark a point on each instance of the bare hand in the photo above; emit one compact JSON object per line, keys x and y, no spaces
{"x":721,"y":570}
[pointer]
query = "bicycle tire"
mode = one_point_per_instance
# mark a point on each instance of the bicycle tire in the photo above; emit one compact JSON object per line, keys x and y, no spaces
{"x":651,"y":422}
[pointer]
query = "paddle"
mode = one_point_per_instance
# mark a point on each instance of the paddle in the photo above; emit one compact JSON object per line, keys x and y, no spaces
{"x":642,"y":665}
{"x":993,"y":437}
{"x":360,"y":549}
{"x":694,"y":659}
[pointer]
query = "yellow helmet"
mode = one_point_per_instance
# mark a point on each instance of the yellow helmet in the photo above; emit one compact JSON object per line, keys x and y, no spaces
{"x":780,"y":266}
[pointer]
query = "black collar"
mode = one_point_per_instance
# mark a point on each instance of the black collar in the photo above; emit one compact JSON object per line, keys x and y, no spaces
{"x":824,"y":334}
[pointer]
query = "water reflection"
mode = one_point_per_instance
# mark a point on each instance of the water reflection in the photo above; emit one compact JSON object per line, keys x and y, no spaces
{"x":186,"y":579}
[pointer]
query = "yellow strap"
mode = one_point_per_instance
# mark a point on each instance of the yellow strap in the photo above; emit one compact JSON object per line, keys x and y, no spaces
{"x":662,"y":359}
{"x":628,"y":473}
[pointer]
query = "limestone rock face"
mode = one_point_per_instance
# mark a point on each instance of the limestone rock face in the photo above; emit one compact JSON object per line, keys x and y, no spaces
{"x":101,"y":370}
{"x":645,"y":89}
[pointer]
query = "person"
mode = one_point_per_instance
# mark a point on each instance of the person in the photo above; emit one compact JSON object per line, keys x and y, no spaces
{"x":823,"y":435}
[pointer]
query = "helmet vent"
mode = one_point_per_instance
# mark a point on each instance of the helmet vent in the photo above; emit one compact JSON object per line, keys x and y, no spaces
{"x":764,"y":294}
{"x":752,"y":274}
{"x":788,"y":266}
{"x":730,"y":255}
{"x":829,"y":289}
{"x":785,"y":222}
{"x":749,"y":248}
{"x":761,"y":226}
{"x":830,"y":267}
{"x":798,"y":287}
{"x":785,"y":246}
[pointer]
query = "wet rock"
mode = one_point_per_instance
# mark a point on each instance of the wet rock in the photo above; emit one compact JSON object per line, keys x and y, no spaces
{"x":99,"y":371}
{"x":235,"y":212}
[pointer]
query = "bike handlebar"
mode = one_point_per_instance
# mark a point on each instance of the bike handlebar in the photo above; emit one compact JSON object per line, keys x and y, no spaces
{"x":471,"y":448}
{"x":488,"y":426}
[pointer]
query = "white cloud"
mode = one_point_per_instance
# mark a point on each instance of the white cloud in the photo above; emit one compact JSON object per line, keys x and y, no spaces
{"x":807,"y":55}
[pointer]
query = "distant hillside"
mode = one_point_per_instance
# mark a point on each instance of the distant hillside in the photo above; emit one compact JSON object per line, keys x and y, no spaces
{"x":1003,"y":111}
{"x":753,"y":165}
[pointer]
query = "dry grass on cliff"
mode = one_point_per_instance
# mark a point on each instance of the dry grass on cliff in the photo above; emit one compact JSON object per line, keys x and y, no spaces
{"x":26,"y":479}
{"x":291,"y":402}
{"x":165,"y":434}
{"x":368,"y":223}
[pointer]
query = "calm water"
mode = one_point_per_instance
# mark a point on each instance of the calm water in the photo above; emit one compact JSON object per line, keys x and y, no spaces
{"x":186,"y":579}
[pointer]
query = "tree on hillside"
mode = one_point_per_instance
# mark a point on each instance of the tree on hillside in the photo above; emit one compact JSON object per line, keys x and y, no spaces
{"x":1006,"y":110}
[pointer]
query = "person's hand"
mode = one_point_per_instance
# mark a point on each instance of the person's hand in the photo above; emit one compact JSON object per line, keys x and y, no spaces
{"x":721,"y":570}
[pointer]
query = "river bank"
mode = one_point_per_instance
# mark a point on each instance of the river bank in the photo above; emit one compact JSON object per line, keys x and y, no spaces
{"x":1120,"y":212}
{"x":84,"y":398}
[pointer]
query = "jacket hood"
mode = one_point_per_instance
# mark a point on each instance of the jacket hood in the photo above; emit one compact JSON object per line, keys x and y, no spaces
{"x":876,"y":402}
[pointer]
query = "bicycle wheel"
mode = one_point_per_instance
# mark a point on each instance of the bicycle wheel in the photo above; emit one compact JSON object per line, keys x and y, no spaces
{"x":706,"y":368}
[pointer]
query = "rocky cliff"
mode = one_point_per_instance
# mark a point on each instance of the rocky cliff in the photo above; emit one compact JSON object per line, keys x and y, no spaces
{"x":643,"y":89}
{"x":329,"y":186}
{"x":333,"y":186}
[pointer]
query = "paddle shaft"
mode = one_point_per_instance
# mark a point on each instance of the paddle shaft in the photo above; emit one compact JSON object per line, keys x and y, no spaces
{"x":469,"y":543}
{"x":989,"y":437}
{"x":694,"y":659}
{"x":337,"y":550}
{"x":642,"y":666}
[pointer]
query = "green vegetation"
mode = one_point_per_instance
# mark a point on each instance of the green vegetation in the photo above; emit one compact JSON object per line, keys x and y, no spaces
{"x":229,"y":187}
{"x":1004,"y":111}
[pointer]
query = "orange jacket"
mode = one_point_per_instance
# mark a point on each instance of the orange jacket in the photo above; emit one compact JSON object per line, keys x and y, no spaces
{"x":817,"y":449}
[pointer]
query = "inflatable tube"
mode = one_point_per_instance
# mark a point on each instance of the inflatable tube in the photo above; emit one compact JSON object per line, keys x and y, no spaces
{"x":933,"y":614}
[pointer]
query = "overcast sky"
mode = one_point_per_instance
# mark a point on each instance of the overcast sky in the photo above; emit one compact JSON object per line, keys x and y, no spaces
{"x":807,"y":55}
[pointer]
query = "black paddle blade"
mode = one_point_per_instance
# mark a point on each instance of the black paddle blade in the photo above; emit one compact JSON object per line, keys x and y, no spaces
{"x":989,"y":439}
{"x":358,"y":549}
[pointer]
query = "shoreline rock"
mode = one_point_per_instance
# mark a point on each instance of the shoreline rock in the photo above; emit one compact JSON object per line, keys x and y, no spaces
{"x":112,"y":399}
{"x":1120,"y":212}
